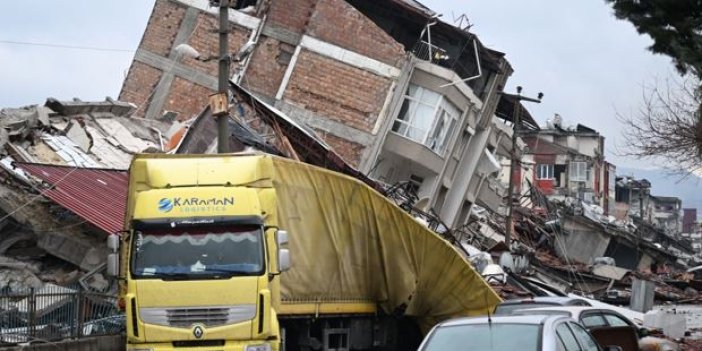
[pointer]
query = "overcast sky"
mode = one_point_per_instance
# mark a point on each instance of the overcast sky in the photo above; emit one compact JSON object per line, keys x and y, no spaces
{"x":588,"y":64}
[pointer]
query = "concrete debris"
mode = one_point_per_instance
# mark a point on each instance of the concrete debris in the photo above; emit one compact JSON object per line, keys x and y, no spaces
{"x":74,"y":133}
{"x":17,"y":279}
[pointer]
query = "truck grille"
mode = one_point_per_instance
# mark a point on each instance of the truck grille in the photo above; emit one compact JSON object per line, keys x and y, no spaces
{"x":210,"y":316}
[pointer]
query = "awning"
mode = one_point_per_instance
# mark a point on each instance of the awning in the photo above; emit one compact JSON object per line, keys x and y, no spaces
{"x":97,"y":195}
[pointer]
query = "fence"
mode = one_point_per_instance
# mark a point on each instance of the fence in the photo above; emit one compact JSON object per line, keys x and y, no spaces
{"x":55,"y":312}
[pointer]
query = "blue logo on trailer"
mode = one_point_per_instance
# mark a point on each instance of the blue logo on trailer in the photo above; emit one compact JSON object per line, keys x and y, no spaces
{"x":165,"y":205}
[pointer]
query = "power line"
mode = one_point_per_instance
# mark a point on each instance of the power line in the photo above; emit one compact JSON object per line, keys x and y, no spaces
{"x":62,"y":46}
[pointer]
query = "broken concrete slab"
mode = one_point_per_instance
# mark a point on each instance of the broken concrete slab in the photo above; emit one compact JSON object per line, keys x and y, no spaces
{"x":56,"y":238}
{"x":76,"y":132}
{"x":611,"y":272}
{"x":68,"y":108}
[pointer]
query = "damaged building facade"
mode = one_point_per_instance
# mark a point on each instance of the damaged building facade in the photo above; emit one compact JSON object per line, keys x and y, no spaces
{"x":593,"y":213}
{"x":570,"y":163}
{"x":399,"y":95}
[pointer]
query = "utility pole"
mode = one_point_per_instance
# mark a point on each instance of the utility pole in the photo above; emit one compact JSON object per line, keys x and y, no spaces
{"x":515,"y":162}
{"x":222,"y":98}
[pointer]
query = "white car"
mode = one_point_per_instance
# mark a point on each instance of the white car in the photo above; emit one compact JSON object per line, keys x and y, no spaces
{"x":600,"y":319}
{"x":508,"y":333}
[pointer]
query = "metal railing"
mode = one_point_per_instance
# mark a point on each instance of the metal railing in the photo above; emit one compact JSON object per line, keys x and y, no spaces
{"x":465,"y":66}
{"x":55,"y":313}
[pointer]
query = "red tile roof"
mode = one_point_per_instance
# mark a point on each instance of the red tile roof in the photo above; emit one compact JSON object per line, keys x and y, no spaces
{"x":97,"y":195}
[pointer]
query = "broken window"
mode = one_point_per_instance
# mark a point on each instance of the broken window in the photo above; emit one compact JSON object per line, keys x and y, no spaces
{"x":544,"y":171}
{"x":579,"y":171}
{"x":427,"y":117}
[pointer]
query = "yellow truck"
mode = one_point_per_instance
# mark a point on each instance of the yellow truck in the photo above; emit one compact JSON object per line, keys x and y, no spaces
{"x":203,"y":260}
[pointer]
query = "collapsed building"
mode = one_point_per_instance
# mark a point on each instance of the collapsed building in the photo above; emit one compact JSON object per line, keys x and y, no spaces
{"x":398,"y":94}
{"x":417,"y":115}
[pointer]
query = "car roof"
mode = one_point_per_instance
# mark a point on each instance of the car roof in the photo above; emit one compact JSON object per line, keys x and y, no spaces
{"x":526,"y":319}
{"x":544,"y":299}
{"x":573,"y":311}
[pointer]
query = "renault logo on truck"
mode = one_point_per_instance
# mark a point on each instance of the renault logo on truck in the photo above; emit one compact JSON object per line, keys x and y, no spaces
{"x":198,"y":331}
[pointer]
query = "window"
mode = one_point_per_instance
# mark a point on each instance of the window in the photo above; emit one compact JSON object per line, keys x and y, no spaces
{"x":496,"y":336}
{"x":544,"y":171}
{"x":586,"y":340}
{"x":567,"y":338}
{"x":615,"y":321}
{"x":594,"y":320}
{"x":427,"y":117}
{"x":579,"y":172}
{"x":198,"y":252}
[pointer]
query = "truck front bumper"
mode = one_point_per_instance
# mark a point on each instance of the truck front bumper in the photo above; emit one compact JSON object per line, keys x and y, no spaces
{"x":226,"y":346}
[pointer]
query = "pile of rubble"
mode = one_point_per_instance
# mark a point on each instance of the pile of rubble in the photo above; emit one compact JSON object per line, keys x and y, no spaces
{"x":41,"y":241}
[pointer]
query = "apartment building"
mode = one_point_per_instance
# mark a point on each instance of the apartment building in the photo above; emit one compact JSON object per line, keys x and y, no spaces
{"x":397,"y":93}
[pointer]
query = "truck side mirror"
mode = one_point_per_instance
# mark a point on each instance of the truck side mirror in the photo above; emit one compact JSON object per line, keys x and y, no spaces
{"x":112,"y":269}
{"x":113,"y":257}
{"x":282,"y":237}
{"x":113,"y":242}
{"x":283,"y":260}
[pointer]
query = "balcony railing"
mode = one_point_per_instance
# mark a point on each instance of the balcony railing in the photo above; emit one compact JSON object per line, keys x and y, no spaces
{"x":464,"y":68}
{"x":429,"y":52}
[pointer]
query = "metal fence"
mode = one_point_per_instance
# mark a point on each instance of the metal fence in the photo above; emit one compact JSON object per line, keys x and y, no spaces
{"x":55,"y":312}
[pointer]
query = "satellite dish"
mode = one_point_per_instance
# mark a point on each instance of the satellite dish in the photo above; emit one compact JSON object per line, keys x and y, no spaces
{"x":422,"y":204}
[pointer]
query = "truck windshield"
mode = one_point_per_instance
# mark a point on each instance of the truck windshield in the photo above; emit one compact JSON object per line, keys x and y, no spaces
{"x":198,"y":253}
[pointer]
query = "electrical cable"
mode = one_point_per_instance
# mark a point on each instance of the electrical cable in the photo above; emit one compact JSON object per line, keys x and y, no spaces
{"x":64,"y":46}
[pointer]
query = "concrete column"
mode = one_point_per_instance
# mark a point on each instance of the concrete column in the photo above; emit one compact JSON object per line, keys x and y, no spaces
{"x":642,"y":293}
{"x":461,"y":182}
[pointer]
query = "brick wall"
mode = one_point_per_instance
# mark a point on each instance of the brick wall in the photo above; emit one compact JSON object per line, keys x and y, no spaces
{"x":186,"y":98}
{"x":338,"y":91}
{"x":291,"y":14}
{"x":162,"y":27}
{"x":348,"y":150}
{"x":205,"y":40}
{"x":267,"y":66}
{"x":139,"y":86}
{"x":321,"y":85}
{"x":337,"y":22}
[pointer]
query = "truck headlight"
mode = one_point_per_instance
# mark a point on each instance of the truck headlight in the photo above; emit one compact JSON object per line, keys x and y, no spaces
{"x":260,"y":347}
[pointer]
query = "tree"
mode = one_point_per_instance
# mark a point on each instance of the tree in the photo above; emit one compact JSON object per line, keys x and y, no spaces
{"x":667,"y":126}
{"x":674,"y":25}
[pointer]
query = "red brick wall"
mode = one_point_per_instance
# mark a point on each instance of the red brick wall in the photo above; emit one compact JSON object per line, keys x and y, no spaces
{"x":343,"y":93}
{"x":139,"y":85}
{"x":186,"y":98}
{"x":267,"y":67}
{"x":162,"y":27}
{"x":348,"y":150}
{"x":206,"y":42}
{"x":291,"y":14}
{"x":337,"y":22}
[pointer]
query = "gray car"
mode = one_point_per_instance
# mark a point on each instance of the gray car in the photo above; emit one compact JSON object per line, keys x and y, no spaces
{"x":507,"y":333}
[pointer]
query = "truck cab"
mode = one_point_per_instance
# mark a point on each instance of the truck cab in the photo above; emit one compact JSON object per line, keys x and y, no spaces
{"x":200,"y":255}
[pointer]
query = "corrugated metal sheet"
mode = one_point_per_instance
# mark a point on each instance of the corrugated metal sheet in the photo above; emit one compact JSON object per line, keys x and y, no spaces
{"x":76,"y":189}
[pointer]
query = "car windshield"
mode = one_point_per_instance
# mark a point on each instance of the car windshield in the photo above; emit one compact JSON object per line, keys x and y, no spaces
{"x":508,"y":308}
{"x":495,"y":337}
{"x":198,"y":253}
